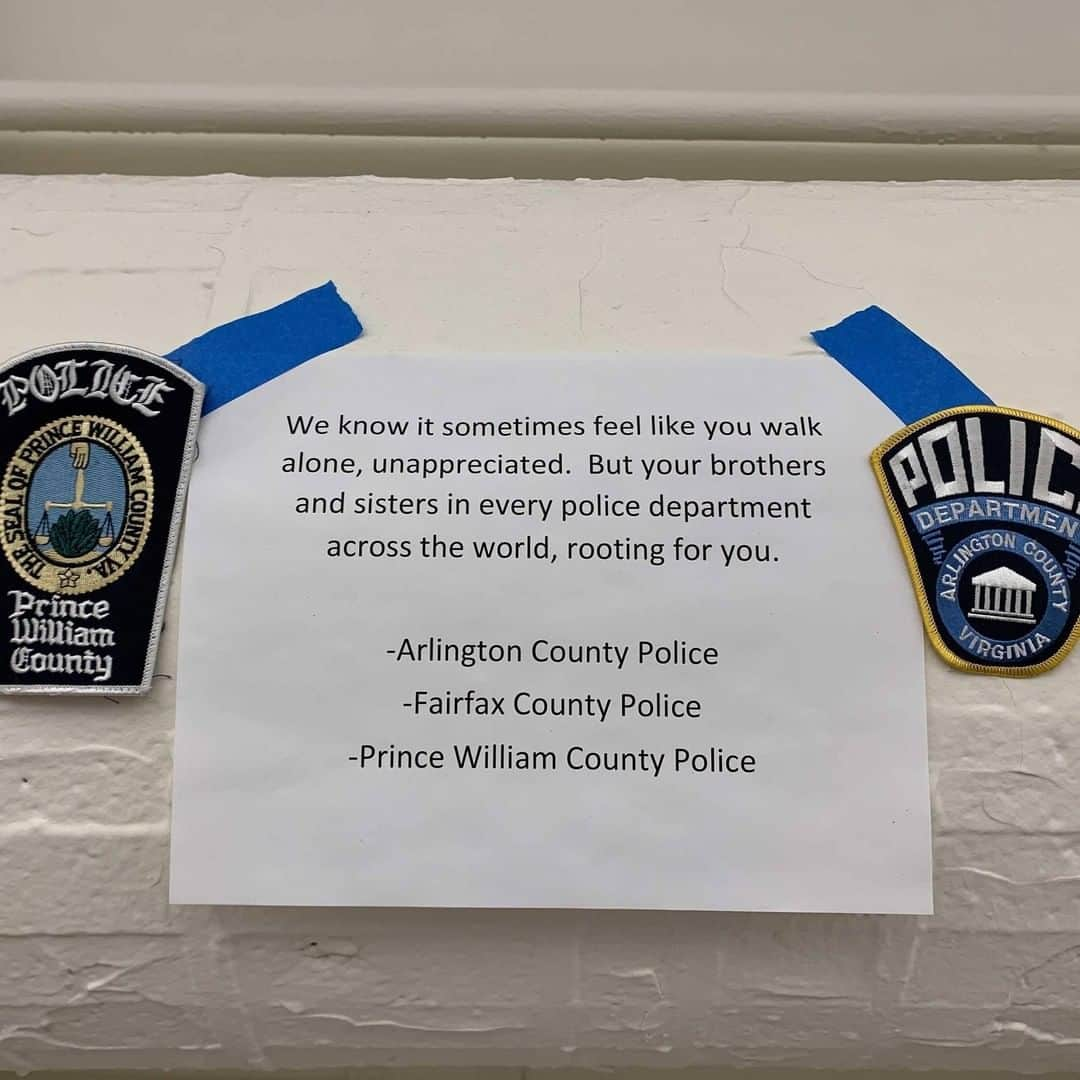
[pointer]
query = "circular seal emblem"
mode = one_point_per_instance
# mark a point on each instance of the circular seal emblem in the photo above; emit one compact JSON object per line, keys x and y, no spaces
{"x":1012,"y":597}
{"x":77,"y":498}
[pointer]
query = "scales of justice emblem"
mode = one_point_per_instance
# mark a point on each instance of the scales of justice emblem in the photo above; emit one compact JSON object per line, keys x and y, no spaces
{"x":985,"y":503}
{"x":96,"y":444}
{"x":78,"y":500}
{"x":79,"y":530}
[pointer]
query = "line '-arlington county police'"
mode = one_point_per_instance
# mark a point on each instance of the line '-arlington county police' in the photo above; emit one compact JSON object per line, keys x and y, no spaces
{"x":676,"y":653}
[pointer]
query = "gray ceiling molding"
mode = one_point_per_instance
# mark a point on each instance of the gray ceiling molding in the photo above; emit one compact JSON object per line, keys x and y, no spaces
{"x":779,"y":89}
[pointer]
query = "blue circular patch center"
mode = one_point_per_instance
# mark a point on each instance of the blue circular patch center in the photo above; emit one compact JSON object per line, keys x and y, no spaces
{"x":1004,"y":595}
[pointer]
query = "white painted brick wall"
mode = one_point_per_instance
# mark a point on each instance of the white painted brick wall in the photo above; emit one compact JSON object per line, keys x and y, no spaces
{"x":96,"y":970}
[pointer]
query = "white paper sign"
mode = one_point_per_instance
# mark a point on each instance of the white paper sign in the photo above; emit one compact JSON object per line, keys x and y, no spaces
{"x":563,"y":631}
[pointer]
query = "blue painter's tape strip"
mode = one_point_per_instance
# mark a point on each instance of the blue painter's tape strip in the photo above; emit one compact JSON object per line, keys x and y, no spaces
{"x":909,"y":376}
{"x":241,"y":355}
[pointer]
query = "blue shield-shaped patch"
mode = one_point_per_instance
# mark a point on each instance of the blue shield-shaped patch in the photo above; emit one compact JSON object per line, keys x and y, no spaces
{"x":985,"y":503}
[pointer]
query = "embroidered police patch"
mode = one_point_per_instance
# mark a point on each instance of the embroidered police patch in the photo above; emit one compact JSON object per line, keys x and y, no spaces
{"x":96,"y":443}
{"x":984,"y":502}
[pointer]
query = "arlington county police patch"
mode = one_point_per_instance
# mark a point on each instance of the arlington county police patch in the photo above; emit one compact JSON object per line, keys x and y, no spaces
{"x":96,"y":443}
{"x":984,"y":501}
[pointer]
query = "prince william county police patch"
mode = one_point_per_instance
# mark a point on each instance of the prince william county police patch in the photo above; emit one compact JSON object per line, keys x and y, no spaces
{"x":984,"y":501}
{"x":96,"y":443}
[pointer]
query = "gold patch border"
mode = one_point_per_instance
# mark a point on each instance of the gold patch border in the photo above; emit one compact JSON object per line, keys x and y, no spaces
{"x":942,"y":649}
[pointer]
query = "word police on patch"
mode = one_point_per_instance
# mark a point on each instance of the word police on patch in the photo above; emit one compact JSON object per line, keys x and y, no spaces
{"x":985,"y":501}
{"x":96,"y":443}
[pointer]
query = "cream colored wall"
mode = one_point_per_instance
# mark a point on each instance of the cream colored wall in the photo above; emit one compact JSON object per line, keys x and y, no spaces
{"x":98,"y":971}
